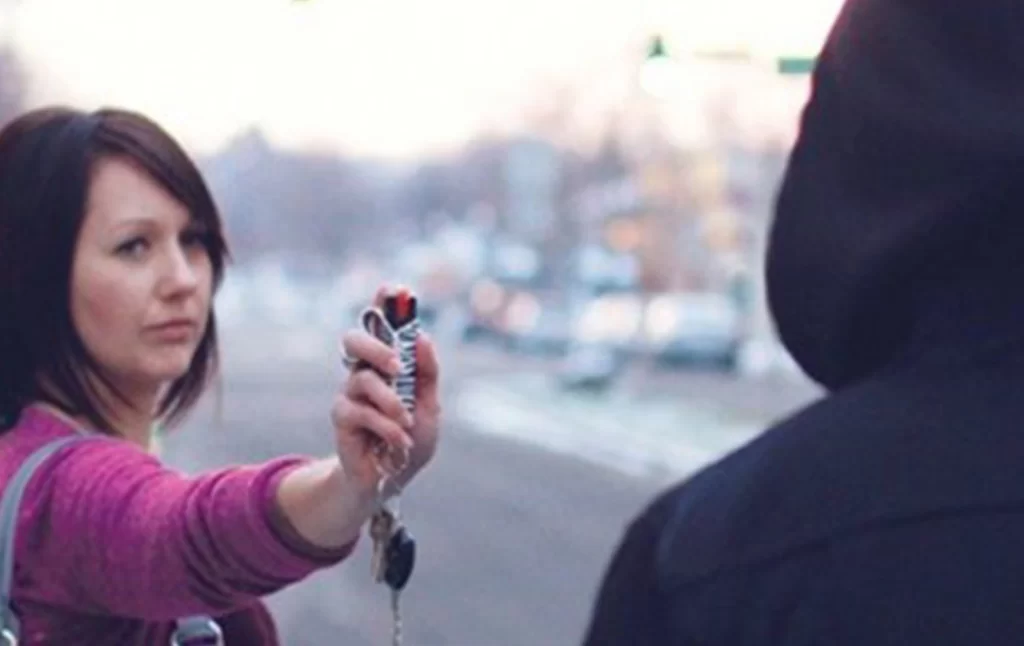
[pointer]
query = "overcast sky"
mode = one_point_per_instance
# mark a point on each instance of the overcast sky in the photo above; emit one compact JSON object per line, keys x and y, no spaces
{"x":386,"y":78}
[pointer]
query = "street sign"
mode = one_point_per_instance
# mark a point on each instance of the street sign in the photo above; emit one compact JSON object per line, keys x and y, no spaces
{"x":795,"y":65}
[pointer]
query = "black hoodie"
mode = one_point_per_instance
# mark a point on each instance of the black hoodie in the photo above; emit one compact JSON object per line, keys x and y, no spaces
{"x":909,"y":166}
{"x":891,"y":512}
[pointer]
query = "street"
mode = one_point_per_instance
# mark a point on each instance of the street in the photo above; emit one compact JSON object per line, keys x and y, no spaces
{"x":516,"y":518}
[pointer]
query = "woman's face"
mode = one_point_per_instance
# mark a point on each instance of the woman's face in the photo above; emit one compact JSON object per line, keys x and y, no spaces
{"x":141,"y":279}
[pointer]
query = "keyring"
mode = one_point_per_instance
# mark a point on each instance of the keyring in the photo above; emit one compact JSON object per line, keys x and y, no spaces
{"x":350,"y":363}
{"x":374,"y":323}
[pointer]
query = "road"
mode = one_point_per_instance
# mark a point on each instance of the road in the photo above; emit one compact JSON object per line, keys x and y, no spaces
{"x":514,"y":529}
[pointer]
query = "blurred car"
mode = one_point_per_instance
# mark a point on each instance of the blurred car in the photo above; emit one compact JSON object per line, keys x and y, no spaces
{"x":612,"y":319}
{"x":534,"y":324}
{"x":694,"y":328}
{"x":590,"y":367}
{"x":484,"y":302}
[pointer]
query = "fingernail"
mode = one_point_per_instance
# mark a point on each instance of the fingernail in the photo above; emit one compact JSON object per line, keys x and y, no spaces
{"x":395,"y":366}
{"x":407,"y":442}
{"x":408,"y":420}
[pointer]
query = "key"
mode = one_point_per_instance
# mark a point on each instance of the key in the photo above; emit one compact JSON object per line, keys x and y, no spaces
{"x":399,"y":558}
{"x":382,"y":527}
{"x":396,"y":618}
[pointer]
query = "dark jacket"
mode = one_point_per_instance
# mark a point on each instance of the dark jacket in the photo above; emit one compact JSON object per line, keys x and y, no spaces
{"x":891,"y":512}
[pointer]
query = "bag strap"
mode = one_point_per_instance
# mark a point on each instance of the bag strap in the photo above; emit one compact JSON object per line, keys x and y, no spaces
{"x":9,"y":504}
{"x":198,"y":629}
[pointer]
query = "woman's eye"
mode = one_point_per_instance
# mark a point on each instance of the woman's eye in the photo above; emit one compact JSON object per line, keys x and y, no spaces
{"x":193,"y":239}
{"x":133,"y":248}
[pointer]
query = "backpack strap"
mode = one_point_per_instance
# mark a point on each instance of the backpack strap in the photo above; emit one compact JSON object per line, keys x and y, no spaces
{"x":195,"y":630}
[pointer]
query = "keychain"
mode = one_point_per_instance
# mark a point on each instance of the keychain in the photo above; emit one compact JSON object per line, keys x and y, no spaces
{"x":394,"y":549}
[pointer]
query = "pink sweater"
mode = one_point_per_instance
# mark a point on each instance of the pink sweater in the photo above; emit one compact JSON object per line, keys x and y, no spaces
{"x":112,"y":546}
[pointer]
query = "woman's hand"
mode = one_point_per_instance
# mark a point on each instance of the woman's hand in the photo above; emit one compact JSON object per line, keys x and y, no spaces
{"x":329,"y":505}
{"x":367,"y":411}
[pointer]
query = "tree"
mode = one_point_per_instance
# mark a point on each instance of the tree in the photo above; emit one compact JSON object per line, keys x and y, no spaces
{"x":305,"y":205}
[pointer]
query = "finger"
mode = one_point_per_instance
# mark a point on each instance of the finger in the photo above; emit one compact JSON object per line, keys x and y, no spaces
{"x":428,"y":367}
{"x":361,"y":345}
{"x":369,"y":386}
{"x":359,"y":417}
{"x":380,"y":296}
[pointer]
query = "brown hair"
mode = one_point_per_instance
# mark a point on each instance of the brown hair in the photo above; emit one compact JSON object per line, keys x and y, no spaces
{"x":46,"y":161}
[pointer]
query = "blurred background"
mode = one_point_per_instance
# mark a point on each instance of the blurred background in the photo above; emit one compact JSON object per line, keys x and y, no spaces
{"x":579,"y":192}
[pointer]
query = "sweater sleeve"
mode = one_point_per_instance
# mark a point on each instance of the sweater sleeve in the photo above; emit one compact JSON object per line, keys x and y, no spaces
{"x":107,"y":528}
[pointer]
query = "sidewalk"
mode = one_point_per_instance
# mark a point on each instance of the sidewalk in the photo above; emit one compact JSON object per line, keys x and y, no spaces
{"x":654,"y":436}
{"x":760,"y":400}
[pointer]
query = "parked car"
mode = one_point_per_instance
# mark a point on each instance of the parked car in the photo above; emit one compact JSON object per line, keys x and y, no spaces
{"x":591,"y":367}
{"x":694,"y":328}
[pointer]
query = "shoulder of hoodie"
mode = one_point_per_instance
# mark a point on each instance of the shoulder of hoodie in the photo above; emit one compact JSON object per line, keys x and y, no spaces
{"x":803,"y":482}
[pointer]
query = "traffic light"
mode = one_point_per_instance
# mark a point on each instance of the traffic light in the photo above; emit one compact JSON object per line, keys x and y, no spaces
{"x":657,"y":50}
{"x":658,"y":74}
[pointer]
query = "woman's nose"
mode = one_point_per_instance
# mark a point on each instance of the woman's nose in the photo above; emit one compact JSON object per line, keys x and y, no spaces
{"x":180,"y":274}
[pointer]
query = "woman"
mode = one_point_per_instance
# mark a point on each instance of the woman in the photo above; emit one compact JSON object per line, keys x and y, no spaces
{"x":111,"y":248}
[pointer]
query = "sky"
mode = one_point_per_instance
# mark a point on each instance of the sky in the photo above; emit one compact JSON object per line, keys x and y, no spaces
{"x":393,"y":79}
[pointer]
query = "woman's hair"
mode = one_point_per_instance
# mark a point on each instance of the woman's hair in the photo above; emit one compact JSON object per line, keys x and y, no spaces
{"x":47,"y":158}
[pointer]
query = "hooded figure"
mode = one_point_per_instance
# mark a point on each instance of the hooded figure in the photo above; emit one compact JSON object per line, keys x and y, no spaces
{"x":890,"y":512}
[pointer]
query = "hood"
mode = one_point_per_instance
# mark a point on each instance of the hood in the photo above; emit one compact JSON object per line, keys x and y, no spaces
{"x":907,"y":176}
